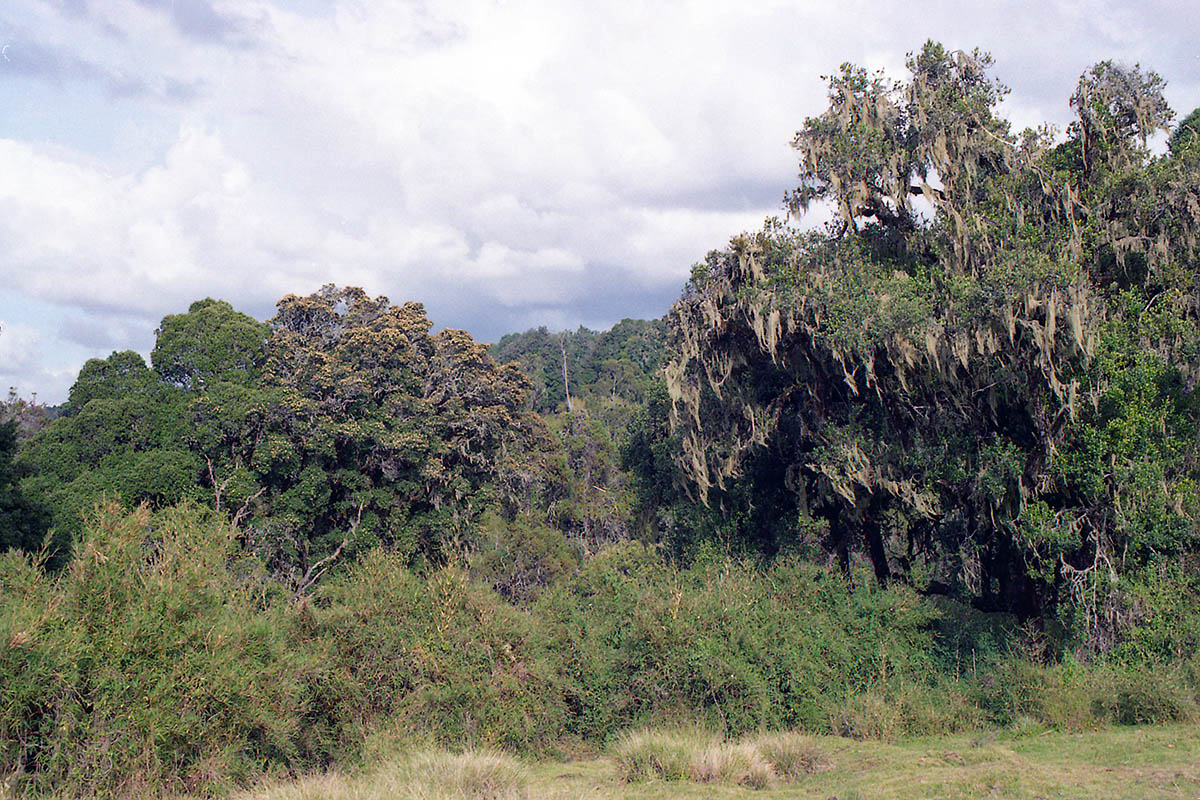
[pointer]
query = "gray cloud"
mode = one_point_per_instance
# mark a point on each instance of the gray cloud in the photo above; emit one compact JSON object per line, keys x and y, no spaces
{"x":508,"y":165}
{"x":31,"y":59}
{"x":107,"y":332}
{"x":75,"y":8}
{"x":599,"y":297}
{"x":200,"y":21}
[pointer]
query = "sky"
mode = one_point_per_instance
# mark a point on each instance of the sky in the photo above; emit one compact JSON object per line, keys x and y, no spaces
{"x":508,"y":164}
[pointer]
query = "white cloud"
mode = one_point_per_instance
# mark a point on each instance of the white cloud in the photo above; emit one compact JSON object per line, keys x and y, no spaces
{"x":20,"y":346}
{"x":23,"y":367}
{"x":508,"y":163}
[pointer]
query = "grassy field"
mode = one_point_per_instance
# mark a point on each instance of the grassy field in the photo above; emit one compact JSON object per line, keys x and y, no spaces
{"x":1123,"y":762}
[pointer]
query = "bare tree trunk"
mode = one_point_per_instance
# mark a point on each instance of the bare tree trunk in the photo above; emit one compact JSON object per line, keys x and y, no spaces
{"x":562,"y":343}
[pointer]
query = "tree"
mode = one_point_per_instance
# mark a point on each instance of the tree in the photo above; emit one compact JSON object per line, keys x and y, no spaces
{"x":619,"y":363}
{"x":376,"y":431}
{"x":1186,"y":135}
{"x":210,"y":343}
{"x":23,"y":523}
{"x":121,"y":375}
{"x":124,"y":437}
{"x":920,"y":382}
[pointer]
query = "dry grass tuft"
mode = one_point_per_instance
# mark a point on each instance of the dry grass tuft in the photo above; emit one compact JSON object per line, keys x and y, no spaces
{"x":475,"y":775}
{"x":792,"y":755}
{"x":648,"y":755}
{"x":426,"y":775}
{"x":727,"y":762}
{"x":756,"y":762}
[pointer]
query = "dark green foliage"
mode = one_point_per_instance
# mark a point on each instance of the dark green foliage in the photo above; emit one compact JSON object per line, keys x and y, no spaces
{"x":648,"y":456}
{"x":540,"y":355}
{"x":375,"y":432}
{"x":1186,"y":136}
{"x":341,"y":425}
{"x":165,"y":659}
{"x":519,"y":557}
{"x":994,"y":399}
{"x":583,"y":486}
{"x":124,"y":438}
{"x":1067,"y":696}
{"x":211,"y":343}
{"x":584,"y":492}
{"x":604,"y":367}
{"x":23,"y":522}
{"x":121,"y":375}
{"x":438,"y":655}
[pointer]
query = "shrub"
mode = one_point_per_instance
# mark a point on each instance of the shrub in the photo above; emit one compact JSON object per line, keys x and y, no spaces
{"x":1059,"y":696}
{"x":735,"y":646}
{"x":520,"y":557}
{"x":1068,"y":696}
{"x":907,"y":708}
{"x":439,"y":654}
{"x":1145,"y":695}
{"x":152,"y":662}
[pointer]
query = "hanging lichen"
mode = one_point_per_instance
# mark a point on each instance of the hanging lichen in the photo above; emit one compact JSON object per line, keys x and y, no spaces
{"x":936,"y":366}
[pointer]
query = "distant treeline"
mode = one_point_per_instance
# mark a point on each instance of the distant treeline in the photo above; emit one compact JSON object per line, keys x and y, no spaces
{"x":620,"y":363}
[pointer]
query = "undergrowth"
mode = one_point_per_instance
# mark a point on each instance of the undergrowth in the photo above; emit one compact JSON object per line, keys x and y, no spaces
{"x":165,"y":659}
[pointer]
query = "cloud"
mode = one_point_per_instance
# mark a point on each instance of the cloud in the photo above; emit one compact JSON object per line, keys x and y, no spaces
{"x":197,"y":19}
{"x":22,"y":365}
{"x":509,"y":164}
{"x":20,"y":346}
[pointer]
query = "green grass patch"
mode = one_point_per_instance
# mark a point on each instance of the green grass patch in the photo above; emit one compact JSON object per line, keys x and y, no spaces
{"x":1121,"y":763}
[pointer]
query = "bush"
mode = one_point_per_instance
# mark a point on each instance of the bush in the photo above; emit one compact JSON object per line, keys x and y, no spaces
{"x":1163,"y":607}
{"x":520,"y":557}
{"x":1146,"y":695}
{"x":151,"y":663}
{"x":907,"y":708}
{"x":1068,"y":696}
{"x":734,"y":646}
{"x":439,"y":654}
{"x":164,"y":659}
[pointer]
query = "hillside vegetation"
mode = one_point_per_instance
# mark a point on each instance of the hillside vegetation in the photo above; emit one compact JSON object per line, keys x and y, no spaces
{"x":930,"y":470}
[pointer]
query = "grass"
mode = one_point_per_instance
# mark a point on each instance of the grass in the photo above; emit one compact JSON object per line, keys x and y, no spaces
{"x":758,"y":762}
{"x":426,"y":775}
{"x":1121,"y":762}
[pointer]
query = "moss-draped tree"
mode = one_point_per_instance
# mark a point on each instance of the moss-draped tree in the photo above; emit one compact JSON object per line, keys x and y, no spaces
{"x":978,"y":375}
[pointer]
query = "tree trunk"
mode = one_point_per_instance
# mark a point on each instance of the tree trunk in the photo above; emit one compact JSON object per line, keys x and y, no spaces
{"x":873,"y":533}
{"x":562,"y":343}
